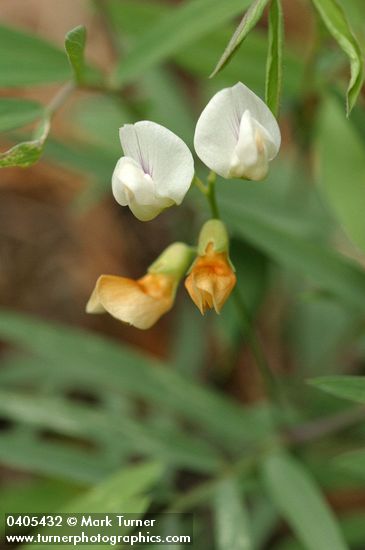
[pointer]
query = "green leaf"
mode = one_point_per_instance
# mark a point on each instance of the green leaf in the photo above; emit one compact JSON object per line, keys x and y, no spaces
{"x":36,"y":496}
{"x":124,"y":491}
{"x":90,"y":361}
{"x":264,"y":519}
{"x":168,"y":104}
{"x":118,"y":491}
{"x":353,"y":462}
{"x":28,"y":60}
{"x":75,"y":42}
{"x":248,"y":22}
{"x":180,"y":27}
{"x":232,"y":523}
{"x":15,"y":112}
{"x":56,"y":460}
{"x":189,"y":346}
{"x":346,"y":387}
{"x":341,"y":157}
{"x":336,"y":22}
{"x":301,"y":503}
{"x":317,"y":331}
{"x":28,"y":152}
{"x":132,"y":18}
{"x":274,"y":63}
{"x":69,"y":419}
{"x":283,"y":233}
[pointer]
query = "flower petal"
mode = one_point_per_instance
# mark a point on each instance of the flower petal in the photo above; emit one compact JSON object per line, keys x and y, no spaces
{"x":144,"y":212}
{"x":253,"y":151}
{"x":218,"y":129}
{"x":140,"y":303}
{"x":162,"y":155}
{"x":210,"y":281}
{"x":132,"y":187}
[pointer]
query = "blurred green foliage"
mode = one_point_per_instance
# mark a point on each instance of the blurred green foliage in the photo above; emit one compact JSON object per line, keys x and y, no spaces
{"x":79,"y":409}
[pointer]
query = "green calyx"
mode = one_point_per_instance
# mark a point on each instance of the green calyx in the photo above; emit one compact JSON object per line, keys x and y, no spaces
{"x":213,"y":232}
{"x":174,"y":260}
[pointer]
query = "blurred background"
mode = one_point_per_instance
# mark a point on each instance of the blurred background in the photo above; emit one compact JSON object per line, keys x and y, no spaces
{"x":83,"y":397}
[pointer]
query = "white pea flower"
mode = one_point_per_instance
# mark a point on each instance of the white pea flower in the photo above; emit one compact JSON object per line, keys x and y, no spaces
{"x":156,"y":171}
{"x":237,"y":135}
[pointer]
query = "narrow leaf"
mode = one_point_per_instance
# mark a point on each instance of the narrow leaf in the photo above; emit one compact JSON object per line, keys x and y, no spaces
{"x":28,"y":60}
{"x":37,"y":496}
{"x":346,"y":387}
{"x":337,"y":24}
{"x":28,"y":152}
{"x":67,"y":418}
{"x":249,"y":20}
{"x":353,"y":462}
{"x":15,"y":112}
{"x":98,"y":364}
{"x":274,"y":62}
{"x":282,"y":233}
{"x":341,"y":163}
{"x":52,"y":459}
{"x":301,"y":503}
{"x":232,"y":524}
{"x":116,"y":491}
{"x":75,"y":42}
{"x":171,"y":33}
{"x":124,"y":491}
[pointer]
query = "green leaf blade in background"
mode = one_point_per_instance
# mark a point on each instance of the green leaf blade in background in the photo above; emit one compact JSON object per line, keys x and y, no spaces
{"x":28,"y":152}
{"x":232,"y":523}
{"x":128,"y":16}
{"x":122,"y":486}
{"x":35,"y":495}
{"x":15,"y":113}
{"x":352,"y":462}
{"x":334,"y":18}
{"x":103,"y":363}
{"x":300,"y":502}
{"x":124,"y":491}
{"x":51,"y":459}
{"x":75,"y":42}
{"x":97,"y":426}
{"x":341,"y":170}
{"x":282,"y":233}
{"x":345,"y":387}
{"x":274,"y":63}
{"x":248,"y":22}
{"x":172,"y":33}
{"x":27,"y":60}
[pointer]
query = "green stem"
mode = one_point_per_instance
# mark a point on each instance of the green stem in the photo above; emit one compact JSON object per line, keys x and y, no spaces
{"x":211,"y":195}
{"x":60,"y":98}
{"x":200,"y":185}
{"x":272,"y":384}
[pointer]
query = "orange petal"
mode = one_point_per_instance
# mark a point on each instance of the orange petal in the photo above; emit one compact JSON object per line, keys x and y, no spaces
{"x":210,"y":281}
{"x":140,"y":303}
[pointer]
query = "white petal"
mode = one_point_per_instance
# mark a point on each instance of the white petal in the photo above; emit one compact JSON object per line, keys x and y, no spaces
{"x":144,"y":212}
{"x":162,"y":155}
{"x":132,"y":187}
{"x":254,"y":148}
{"x":218,"y":129}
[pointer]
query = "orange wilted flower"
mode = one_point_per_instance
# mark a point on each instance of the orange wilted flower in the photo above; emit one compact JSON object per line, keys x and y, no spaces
{"x":143,"y":301}
{"x":211,"y":278}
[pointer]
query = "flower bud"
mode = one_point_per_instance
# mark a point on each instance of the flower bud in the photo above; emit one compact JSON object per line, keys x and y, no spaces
{"x":143,"y":301}
{"x":211,"y":278}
